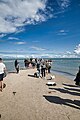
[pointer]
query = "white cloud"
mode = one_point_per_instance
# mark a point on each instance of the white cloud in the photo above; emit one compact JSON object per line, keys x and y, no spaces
{"x":12,"y":56}
{"x":2,"y":35}
{"x":17,"y":13}
{"x":20,"y":30}
{"x":77,"y":49}
{"x":68,"y":52}
{"x":13,"y":38}
{"x":37,"y":48}
{"x":62,"y":32}
{"x":20,"y":43}
{"x":63,"y":3}
{"x":24,"y":54}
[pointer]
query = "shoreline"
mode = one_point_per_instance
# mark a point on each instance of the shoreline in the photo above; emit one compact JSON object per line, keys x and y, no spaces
{"x":71,"y":77}
{"x":64,"y":74}
{"x":26,"y":97}
{"x":57,"y":62}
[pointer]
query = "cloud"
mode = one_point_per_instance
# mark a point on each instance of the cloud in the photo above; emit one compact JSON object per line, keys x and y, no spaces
{"x":62,"y":32}
{"x":2,"y":35}
{"x":23,"y":54}
{"x":68,"y":52}
{"x":38,"y":55}
{"x":63,"y":3}
{"x":21,"y":29}
{"x":12,"y":56}
{"x":37,"y":48}
{"x":77,"y":49}
{"x":17,"y":13}
{"x":13,"y":38}
{"x":20,"y":43}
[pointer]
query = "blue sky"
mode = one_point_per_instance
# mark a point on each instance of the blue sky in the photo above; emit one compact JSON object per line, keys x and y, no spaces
{"x":40,"y":28}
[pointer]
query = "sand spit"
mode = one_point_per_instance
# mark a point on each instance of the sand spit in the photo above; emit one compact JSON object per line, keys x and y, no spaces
{"x":29,"y":98}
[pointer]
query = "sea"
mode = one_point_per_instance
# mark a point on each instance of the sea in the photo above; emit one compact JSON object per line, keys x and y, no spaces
{"x":63,"y":66}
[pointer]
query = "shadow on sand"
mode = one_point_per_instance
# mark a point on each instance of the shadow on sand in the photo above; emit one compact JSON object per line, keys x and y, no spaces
{"x":12,"y":72}
{"x":62,"y":90}
{"x":78,"y":90}
{"x":70,"y":85}
{"x":31,"y":75}
{"x":61,"y":101}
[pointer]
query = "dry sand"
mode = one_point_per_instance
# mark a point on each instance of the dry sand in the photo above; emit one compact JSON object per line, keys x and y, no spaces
{"x":29,"y":98}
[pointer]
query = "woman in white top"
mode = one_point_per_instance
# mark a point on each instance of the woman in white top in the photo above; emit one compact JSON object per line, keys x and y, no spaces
{"x":2,"y":69}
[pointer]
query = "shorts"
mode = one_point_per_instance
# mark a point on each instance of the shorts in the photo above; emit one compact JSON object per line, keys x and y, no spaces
{"x":1,"y":76}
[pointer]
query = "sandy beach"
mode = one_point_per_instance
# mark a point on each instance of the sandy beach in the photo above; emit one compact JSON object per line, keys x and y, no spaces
{"x":29,"y":98}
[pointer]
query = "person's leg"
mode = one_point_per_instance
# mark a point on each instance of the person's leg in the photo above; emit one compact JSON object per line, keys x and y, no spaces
{"x":39,"y":72}
{"x":1,"y":82}
{"x":1,"y":86}
{"x":44,"y":72}
{"x":17,"y":69}
{"x":49,"y":69}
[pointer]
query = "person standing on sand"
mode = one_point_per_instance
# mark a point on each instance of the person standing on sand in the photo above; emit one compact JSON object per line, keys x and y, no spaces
{"x":49,"y":66}
{"x":2,"y":70}
{"x":17,"y":66}
{"x":25,"y":62}
{"x":38,"y":67}
{"x":77,"y":79}
{"x":43,"y":68}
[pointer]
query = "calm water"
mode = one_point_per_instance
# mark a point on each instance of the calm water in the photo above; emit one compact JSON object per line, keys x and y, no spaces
{"x":10,"y":64}
{"x":64,"y":66}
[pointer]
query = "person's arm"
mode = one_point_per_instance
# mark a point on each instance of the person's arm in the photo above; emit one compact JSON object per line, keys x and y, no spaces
{"x":5,"y":69}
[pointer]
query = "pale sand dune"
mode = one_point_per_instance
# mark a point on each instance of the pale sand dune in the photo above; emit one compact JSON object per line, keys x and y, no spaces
{"x":29,"y":98}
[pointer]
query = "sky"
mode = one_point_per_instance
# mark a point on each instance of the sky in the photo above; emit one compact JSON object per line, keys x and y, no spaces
{"x":40,"y":28}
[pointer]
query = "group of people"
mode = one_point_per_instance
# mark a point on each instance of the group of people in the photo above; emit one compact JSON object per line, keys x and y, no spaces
{"x":43,"y":66}
{"x":30,"y":63}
